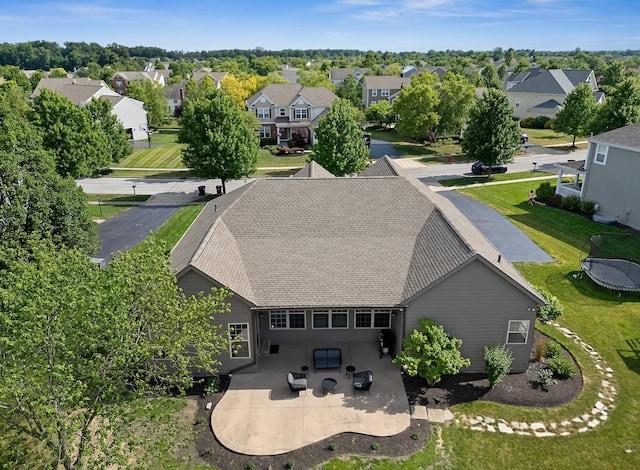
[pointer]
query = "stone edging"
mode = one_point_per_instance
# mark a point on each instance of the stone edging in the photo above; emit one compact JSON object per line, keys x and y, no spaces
{"x":585,"y":422}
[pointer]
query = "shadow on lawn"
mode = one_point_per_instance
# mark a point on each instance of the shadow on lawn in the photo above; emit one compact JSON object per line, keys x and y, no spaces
{"x":631,"y":356}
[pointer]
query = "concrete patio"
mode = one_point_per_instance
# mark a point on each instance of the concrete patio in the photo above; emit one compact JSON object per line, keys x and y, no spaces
{"x":259,"y":416}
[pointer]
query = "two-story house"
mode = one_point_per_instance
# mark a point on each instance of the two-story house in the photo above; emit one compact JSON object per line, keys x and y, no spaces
{"x":338,"y":75}
{"x":176,"y":93}
{"x":542,"y":92}
{"x":287,"y":109}
{"x":120,"y":80}
{"x":382,"y":88}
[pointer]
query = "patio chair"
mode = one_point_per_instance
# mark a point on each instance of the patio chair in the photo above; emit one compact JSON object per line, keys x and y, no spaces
{"x":297,"y":381}
{"x":362,"y":381}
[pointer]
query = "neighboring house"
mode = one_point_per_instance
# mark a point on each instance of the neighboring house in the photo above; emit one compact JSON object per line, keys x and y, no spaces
{"x":120,"y":80}
{"x":412,"y":71}
{"x":130,"y":112}
{"x":324,"y":260}
{"x":175,"y":95}
{"x":542,"y":92}
{"x":608,"y":176}
{"x":337,"y":76}
{"x":217,"y":77}
{"x":289,"y":73}
{"x":285,"y":109}
{"x":382,"y":88}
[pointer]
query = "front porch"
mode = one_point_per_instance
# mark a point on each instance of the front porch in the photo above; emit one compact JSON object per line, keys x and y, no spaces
{"x":259,"y":416}
{"x":576,"y":170}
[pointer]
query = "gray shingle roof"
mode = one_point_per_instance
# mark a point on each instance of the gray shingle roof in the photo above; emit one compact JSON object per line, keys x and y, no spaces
{"x":284,"y":94}
{"x":555,"y":82}
{"x":385,"y":82}
{"x":627,"y":136}
{"x":294,"y":242}
{"x":78,"y":90}
{"x":382,"y":167}
{"x":313,"y":170}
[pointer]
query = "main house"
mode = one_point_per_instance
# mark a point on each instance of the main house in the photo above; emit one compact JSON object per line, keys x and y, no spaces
{"x":539,"y":92}
{"x":608,"y":176}
{"x":319,"y":259}
{"x":130,"y":112}
{"x":382,"y":88}
{"x":287,"y":109}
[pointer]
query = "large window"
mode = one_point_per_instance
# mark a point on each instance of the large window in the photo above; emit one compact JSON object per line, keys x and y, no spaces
{"x":601,"y":154}
{"x":239,"y":343}
{"x":265,"y":132}
{"x":283,"y":112}
{"x":385,"y":92}
{"x":330,"y":319}
{"x":518,"y":332}
{"x":374,"y":92}
{"x":263,"y":113}
{"x":287,"y":320}
{"x":301,"y":113}
{"x":373,"y":318}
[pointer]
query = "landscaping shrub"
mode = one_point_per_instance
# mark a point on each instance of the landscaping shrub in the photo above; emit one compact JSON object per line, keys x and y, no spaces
{"x":552,"y":310}
{"x":546,"y":377}
{"x":570,"y":203}
{"x":549,"y":124}
{"x":538,"y":349}
{"x":539,"y":122}
{"x":497,"y":363}
{"x":552,"y":350}
{"x":332,"y":446}
{"x":527,"y":122}
{"x":555,"y":200}
{"x":545,"y":191}
{"x":264,"y":142}
{"x":562,"y":367}
{"x":588,"y":207}
{"x":211,"y":385}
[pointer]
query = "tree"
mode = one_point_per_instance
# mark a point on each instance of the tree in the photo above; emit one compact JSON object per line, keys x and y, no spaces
{"x":490,"y":78}
{"x":491,"y":136}
{"x":622,"y":107}
{"x":456,"y":96}
{"x":77,"y":343}
{"x":340,"y":148}
{"x":416,"y":107}
{"x":80,"y":145}
{"x":577,"y":113}
{"x":155,"y":102}
{"x":117,"y":139}
{"x":431,"y":353}
{"x":351,"y":90}
{"x":221,"y":138}
{"x":381,"y":112}
{"x":552,"y":308}
{"x":315,"y":77}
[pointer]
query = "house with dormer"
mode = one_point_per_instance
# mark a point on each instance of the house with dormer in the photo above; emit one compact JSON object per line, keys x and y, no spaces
{"x":338,"y":75}
{"x":120,"y":80}
{"x":537,"y":92}
{"x":290,"y":111}
{"x":377,"y":88}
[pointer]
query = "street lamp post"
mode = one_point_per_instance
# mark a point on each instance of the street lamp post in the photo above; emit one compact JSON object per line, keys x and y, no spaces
{"x":134,"y":190}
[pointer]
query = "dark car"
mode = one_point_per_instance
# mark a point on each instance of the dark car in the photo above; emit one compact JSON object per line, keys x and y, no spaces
{"x":479,"y":168}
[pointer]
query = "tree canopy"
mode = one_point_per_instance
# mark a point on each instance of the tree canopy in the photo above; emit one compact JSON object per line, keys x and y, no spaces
{"x":77,"y":341}
{"x":622,"y":107}
{"x":577,"y":113}
{"x":117,"y":140}
{"x":155,"y":102}
{"x":340,"y":148}
{"x":416,"y":107}
{"x":431,"y":353}
{"x":492,"y":135}
{"x":221,"y":138}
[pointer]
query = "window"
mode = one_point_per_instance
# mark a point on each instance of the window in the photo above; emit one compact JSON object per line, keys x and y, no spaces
{"x":263,"y":113}
{"x":265,"y":132}
{"x":518,"y":101}
{"x":330,"y":319}
{"x":518,"y":332}
{"x":373,"y":102}
{"x":301,"y":113}
{"x":287,"y":319}
{"x":239,"y":344}
{"x":601,"y":154}
{"x":119,"y":83}
{"x":385,"y":92}
{"x":373,"y":318}
{"x":374,"y":92}
{"x":283,"y":112}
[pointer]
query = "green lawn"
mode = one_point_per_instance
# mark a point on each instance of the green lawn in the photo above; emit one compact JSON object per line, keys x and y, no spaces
{"x":177,"y":224}
{"x":106,"y":211}
{"x":474,"y":180}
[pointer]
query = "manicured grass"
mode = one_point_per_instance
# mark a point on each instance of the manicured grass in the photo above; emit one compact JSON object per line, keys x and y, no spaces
{"x":177,"y":224}
{"x":549,"y":137}
{"x":149,"y":174}
{"x":106,"y":211}
{"x":472,"y":180}
{"x":117,"y":197}
{"x":267,"y":159}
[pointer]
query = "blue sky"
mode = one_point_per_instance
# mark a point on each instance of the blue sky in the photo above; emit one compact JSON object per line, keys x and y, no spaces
{"x":379,"y":25}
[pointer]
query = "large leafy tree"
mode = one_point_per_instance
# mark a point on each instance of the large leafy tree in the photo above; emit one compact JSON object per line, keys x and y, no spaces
{"x":416,"y":107}
{"x":456,"y":96}
{"x":36,"y":202}
{"x":117,"y":139}
{"x":221,"y":138}
{"x":77,"y":343}
{"x":381,"y":112}
{"x":491,"y":136}
{"x":351,"y":90}
{"x":622,"y":107}
{"x":430,"y":352}
{"x":340,"y":148}
{"x":153,"y":97}
{"x":80,"y":145}
{"x":577,"y":113}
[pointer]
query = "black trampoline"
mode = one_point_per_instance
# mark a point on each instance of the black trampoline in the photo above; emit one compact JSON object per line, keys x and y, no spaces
{"x":611,"y":262}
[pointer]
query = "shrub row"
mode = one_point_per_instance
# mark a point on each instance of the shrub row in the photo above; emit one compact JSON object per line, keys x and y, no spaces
{"x":540,"y":122}
{"x":547,"y":193}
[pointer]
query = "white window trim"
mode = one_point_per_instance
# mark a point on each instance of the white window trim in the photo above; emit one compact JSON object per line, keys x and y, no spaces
{"x":374,"y":92}
{"x":517,"y":102}
{"x":299,"y":111}
{"x":372,"y":312}
{"x":603,"y":150}
{"x":517,"y":330}
{"x":261,"y":111}
{"x":288,"y":314}
{"x":283,"y":112}
{"x":265,"y":132}
{"x":232,"y":341}
{"x":385,"y":92}
{"x":330,"y":313}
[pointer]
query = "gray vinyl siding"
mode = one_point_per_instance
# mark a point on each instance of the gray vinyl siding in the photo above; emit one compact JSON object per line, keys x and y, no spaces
{"x":475,"y":304}
{"x":614,"y":185}
{"x":193,"y":283}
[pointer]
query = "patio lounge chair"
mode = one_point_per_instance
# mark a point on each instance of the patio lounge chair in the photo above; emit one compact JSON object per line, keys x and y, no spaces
{"x":297,"y":381}
{"x":362,"y":381}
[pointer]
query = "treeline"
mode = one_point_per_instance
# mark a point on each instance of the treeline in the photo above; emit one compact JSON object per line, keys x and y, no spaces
{"x":46,"y":55}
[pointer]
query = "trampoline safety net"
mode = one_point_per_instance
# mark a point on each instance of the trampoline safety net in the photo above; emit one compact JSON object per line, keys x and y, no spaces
{"x":614,"y":261}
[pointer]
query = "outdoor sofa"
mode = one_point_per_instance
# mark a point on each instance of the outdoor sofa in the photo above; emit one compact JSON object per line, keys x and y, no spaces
{"x":330,"y":358}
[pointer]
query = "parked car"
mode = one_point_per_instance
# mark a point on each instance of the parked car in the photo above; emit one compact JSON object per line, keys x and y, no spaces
{"x":479,"y":168}
{"x":524,"y":138}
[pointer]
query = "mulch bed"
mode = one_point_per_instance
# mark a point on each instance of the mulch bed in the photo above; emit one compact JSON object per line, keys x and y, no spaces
{"x":515,"y":389}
